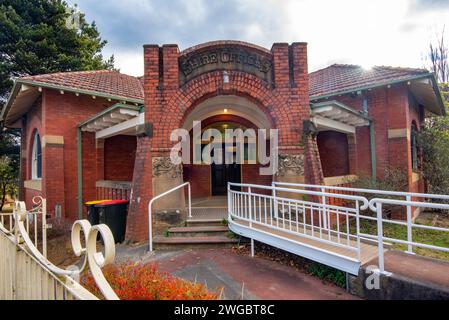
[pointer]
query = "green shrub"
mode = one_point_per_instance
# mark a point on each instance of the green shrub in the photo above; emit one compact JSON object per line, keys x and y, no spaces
{"x":394,"y":179}
{"x":434,"y":143}
{"x":326,"y":273}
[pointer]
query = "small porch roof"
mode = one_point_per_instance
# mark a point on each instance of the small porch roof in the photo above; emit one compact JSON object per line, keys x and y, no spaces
{"x":333,"y":115}
{"x":117,"y":119}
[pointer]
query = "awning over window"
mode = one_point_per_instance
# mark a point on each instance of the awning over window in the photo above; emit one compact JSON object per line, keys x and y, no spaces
{"x":333,"y":115}
{"x":118,"y":119}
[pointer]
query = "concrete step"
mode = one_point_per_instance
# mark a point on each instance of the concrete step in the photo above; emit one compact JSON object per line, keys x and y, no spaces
{"x":199,"y":231}
{"x":204,"y":223}
{"x":170,"y":243}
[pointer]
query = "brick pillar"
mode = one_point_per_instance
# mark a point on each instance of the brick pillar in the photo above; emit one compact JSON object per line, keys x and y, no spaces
{"x":314,"y":170}
{"x":142,"y":188}
{"x":166,"y":175}
{"x":141,"y":192}
{"x":291,"y":80}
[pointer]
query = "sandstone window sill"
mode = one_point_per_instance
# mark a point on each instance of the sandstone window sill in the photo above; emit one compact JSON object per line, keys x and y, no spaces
{"x":34,"y":184}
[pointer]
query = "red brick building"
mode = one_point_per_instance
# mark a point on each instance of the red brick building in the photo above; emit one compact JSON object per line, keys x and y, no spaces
{"x":102,"y":134}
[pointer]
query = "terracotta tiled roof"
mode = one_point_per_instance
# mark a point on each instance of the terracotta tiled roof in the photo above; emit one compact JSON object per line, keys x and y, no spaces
{"x":342,"y":77}
{"x":333,"y":79}
{"x":102,"y":81}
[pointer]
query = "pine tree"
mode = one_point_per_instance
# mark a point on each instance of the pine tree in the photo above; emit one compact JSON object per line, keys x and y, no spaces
{"x":45,"y":36}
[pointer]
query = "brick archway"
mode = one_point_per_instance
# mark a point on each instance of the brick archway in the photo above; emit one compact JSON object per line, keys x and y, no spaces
{"x":275,"y":106}
{"x":176,"y":82}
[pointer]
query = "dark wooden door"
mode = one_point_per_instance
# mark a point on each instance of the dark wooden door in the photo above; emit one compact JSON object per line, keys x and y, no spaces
{"x":221,"y":175}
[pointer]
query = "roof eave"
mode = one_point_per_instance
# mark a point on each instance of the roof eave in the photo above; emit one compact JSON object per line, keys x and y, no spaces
{"x":80,"y":91}
{"x":341,"y":106}
{"x":19,"y":82}
{"x":436,"y":88}
{"x":372,"y":86}
{"x":15,"y":90}
{"x":111,"y":108}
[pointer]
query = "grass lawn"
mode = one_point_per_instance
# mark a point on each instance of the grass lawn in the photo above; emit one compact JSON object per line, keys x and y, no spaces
{"x":437,"y":238}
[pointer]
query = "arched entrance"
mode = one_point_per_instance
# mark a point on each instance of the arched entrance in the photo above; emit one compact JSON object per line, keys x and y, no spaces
{"x":266,"y":87}
{"x":222,"y":173}
{"x":225,"y":114}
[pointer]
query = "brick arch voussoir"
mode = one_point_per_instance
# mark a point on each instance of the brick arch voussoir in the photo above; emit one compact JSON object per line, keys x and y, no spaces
{"x":209,"y":85}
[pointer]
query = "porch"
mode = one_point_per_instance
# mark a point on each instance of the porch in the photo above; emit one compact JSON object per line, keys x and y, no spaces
{"x":210,"y":208}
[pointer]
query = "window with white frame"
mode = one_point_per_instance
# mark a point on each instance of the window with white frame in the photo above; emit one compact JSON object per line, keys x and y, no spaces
{"x":36,"y":158}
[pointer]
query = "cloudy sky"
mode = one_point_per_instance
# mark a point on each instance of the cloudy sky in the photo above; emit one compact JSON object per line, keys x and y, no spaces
{"x":365,"y":32}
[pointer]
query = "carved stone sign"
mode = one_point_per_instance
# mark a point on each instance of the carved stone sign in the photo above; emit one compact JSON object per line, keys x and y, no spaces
{"x":230,"y":58}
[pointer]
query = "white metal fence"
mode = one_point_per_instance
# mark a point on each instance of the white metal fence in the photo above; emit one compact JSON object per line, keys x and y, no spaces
{"x":26,"y":273}
{"x":304,"y":210}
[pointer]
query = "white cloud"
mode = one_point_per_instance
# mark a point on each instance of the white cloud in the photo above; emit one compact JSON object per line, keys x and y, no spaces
{"x":381,"y":32}
{"x":129,"y":62}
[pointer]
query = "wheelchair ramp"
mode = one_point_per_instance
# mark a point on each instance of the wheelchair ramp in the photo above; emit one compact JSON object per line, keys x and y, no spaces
{"x":321,"y":232}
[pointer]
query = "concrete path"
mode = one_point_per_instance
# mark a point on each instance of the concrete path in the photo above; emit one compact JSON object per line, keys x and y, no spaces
{"x":238,"y":275}
{"x":428,"y":272}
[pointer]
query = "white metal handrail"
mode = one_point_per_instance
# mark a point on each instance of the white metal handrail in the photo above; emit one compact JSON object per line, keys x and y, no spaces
{"x":150,"y":204}
{"x":308,"y":192}
{"x":408,"y":196}
{"x":374,"y":205}
{"x":361,"y":190}
{"x":299,"y":217}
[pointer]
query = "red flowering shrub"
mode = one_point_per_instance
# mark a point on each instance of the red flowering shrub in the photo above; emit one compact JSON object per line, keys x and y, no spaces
{"x":136,"y":281}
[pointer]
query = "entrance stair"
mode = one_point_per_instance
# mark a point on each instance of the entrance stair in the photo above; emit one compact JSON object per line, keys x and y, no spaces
{"x":197,"y":234}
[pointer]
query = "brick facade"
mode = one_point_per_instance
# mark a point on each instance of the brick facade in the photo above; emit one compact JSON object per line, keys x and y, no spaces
{"x":334,"y":153}
{"x":119,"y":156}
{"x":167,"y":104}
{"x":393,"y":110}
{"x":168,"y":101}
{"x":59,"y":115}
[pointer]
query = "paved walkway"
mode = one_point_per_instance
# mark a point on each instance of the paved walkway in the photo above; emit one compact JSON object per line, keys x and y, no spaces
{"x":431,"y":272}
{"x":239,"y":275}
